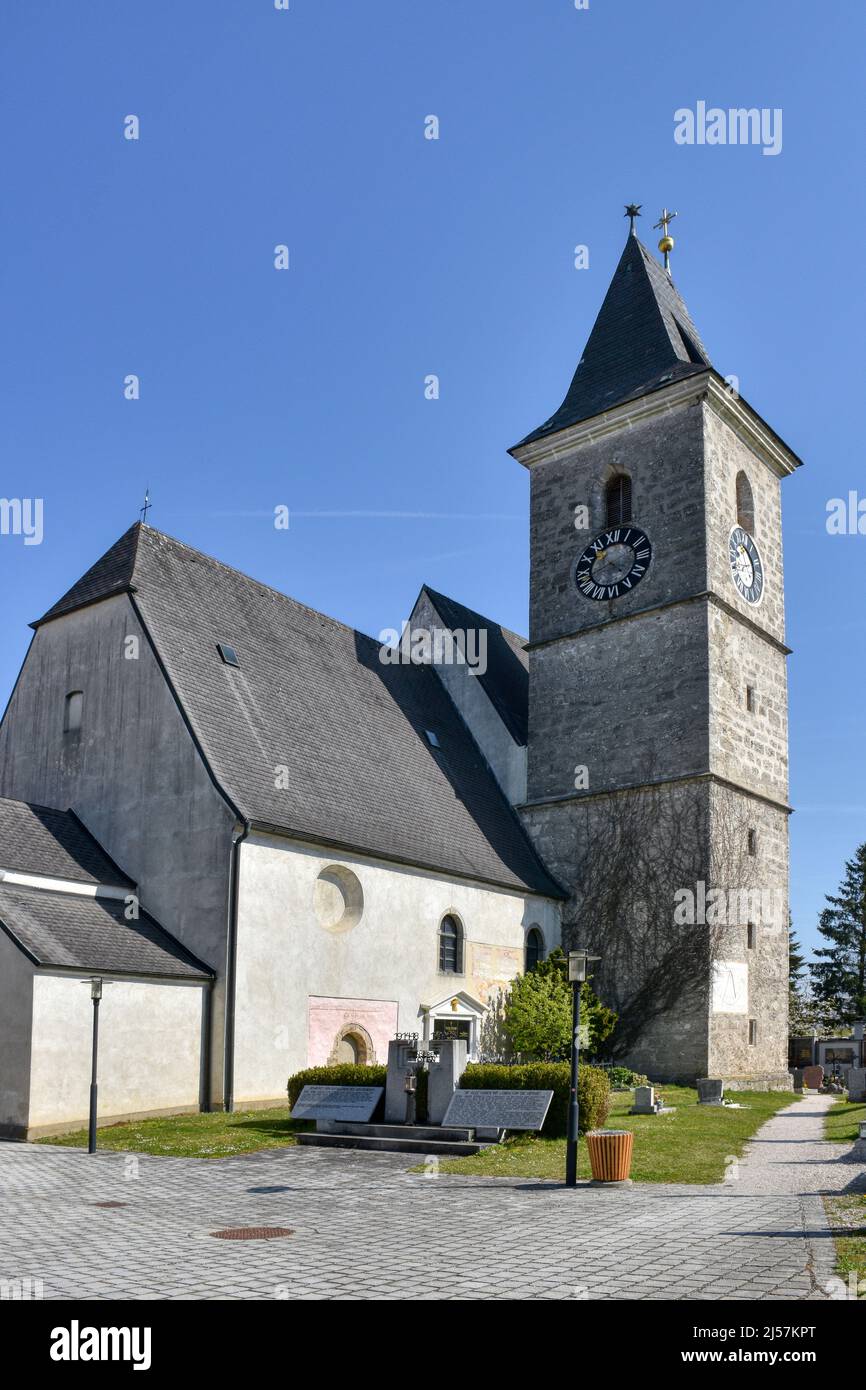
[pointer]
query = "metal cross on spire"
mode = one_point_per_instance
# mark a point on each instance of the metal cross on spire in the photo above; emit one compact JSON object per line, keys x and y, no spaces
{"x":666,"y":244}
{"x":632,"y":210}
{"x":147,"y":505}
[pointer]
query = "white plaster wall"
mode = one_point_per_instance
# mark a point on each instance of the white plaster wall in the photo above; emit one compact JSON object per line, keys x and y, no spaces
{"x":150,"y":1039}
{"x":284,"y":956}
{"x":16,"y":994}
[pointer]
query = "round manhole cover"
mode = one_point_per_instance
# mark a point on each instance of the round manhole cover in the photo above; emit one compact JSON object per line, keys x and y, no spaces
{"x":252,"y":1233}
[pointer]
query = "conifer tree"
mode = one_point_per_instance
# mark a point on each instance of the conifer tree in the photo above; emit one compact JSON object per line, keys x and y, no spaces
{"x":839,"y":971}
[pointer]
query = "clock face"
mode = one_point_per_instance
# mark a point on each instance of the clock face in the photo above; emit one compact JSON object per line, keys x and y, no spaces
{"x":747,"y":567}
{"x":613,"y":563}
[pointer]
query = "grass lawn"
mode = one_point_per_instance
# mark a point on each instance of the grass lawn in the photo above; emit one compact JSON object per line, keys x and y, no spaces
{"x":692,"y":1146}
{"x":842,"y":1122}
{"x":194,"y":1136}
{"x":847,"y":1216}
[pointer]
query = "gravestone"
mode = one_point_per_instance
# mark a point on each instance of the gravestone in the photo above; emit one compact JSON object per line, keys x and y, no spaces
{"x":857,"y":1083}
{"x":798,"y":1075}
{"x":352,"y":1103}
{"x":710,"y":1091}
{"x":644,"y":1100}
{"x":495,"y":1110}
{"x":813,"y":1078}
{"x":443,"y":1077}
{"x":402,"y":1052}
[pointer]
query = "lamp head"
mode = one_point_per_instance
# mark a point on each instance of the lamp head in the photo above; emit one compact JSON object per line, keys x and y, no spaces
{"x":577,"y":965}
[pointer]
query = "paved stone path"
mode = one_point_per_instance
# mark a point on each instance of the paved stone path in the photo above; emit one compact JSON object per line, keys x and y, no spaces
{"x":790,"y":1154}
{"x":365,"y":1228}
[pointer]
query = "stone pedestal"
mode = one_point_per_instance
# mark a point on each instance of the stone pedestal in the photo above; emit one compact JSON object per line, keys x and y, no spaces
{"x":443,"y":1078}
{"x":401,"y":1053}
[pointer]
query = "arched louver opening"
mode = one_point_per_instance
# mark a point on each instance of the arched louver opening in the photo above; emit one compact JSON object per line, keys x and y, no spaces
{"x":617,"y":500}
{"x":745,"y":504}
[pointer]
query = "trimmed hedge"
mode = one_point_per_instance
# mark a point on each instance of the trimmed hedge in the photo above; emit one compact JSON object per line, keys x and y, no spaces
{"x":593,"y":1090}
{"x":347,"y":1074}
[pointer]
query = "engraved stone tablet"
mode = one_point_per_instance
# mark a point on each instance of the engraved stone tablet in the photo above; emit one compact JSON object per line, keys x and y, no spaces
{"x":337,"y":1103}
{"x":498,"y":1109}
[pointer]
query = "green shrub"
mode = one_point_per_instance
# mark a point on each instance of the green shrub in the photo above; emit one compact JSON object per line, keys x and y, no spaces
{"x":537,"y":1013}
{"x":593,"y":1090}
{"x":346,"y":1074}
{"x":624,"y":1079}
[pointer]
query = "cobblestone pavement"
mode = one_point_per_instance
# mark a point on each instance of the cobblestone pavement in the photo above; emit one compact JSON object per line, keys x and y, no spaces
{"x":365,"y":1228}
{"x":790,"y":1154}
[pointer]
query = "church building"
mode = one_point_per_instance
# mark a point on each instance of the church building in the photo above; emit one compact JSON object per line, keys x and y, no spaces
{"x":279,"y":842}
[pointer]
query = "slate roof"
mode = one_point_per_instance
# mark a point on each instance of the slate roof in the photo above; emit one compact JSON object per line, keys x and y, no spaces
{"x":642,"y":339}
{"x":85,"y":933}
{"x":312,"y":696}
{"x":41,"y":840}
{"x":506,"y":679}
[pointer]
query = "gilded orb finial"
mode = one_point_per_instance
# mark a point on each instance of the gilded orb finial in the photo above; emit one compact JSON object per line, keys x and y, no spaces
{"x":666,"y":243}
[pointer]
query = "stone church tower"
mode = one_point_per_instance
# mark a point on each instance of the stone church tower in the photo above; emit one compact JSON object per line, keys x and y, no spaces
{"x":657,"y":785}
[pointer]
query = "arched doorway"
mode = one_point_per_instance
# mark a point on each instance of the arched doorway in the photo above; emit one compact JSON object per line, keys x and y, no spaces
{"x":350,"y":1049}
{"x":353,"y":1046}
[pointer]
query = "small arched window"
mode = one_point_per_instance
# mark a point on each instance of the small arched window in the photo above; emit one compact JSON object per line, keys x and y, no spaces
{"x":534,"y":948}
{"x":617,"y":500}
{"x":72,"y":711}
{"x":745,"y":504}
{"x":450,"y":945}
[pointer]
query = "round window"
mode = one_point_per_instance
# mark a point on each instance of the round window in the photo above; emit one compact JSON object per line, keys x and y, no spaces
{"x":338,"y":899}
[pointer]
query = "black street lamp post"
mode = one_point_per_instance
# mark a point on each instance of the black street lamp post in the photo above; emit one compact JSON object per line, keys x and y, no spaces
{"x":577,"y":963}
{"x":96,"y":996}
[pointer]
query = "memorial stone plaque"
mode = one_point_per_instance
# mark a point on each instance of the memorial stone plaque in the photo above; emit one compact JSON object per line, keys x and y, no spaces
{"x":337,"y":1103}
{"x":498,"y":1109}
{"x":856,"y":1083}
{"x":710,"y":1091}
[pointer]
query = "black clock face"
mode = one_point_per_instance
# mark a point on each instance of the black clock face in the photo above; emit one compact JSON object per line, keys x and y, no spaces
{"x":613,"y":563}
{"x":747,"y":566}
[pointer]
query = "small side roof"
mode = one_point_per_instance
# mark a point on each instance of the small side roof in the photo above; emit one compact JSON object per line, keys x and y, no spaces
{"x":74,"y":928}
{"x":42,"y":840}
{"x":87,"y":933}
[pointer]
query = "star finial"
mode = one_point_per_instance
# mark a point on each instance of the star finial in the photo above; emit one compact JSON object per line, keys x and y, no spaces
{"x":632,"y":210}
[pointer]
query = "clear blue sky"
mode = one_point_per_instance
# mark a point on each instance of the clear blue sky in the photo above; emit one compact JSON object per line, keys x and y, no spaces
{"x":411,"y":257}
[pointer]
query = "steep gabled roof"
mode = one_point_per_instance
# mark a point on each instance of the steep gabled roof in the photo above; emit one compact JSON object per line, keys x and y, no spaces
{"x":506,"y":678}
{"x":312,"y":734}
{"x":41,"y":840}
{"x":642,"y":339}
{"x":112,"y":574}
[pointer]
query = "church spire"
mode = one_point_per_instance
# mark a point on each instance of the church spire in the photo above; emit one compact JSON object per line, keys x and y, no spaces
{"x":642,"y":339}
